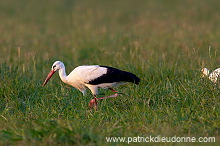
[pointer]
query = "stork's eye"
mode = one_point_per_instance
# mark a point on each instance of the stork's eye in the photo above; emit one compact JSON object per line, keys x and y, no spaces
{"x":54,"y":66}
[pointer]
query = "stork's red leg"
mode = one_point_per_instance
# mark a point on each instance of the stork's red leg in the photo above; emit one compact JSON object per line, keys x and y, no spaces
{"x":113,"y":90}
{"x":114,"y":95}
{"x":93,"y":102}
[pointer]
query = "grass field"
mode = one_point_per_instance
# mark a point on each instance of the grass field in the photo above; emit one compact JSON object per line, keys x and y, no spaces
{"x":165,"y":43}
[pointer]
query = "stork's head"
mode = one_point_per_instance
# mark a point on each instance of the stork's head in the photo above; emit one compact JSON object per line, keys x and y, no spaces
{"x":205,"y":72}
{"x":55,"y":67}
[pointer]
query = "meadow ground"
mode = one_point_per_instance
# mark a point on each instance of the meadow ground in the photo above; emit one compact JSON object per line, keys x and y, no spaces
{"x":165,"y":43}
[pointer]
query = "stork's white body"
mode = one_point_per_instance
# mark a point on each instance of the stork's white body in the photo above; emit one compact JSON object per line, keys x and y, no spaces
{"x":214,"y":76}
{"x":82,"y":75}
{"x":93,"y":77}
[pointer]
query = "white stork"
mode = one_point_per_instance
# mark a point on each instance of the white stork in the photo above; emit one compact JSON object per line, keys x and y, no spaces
{"x":93,"y":77}
{"x":212,"y":76}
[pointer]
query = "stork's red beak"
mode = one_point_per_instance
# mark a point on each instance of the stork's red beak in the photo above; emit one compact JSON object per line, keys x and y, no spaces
{"x":48,"y":77}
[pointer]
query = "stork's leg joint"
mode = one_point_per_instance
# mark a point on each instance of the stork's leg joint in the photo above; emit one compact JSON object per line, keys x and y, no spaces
{"x":95,"y":97}
{"x":93,"y":102}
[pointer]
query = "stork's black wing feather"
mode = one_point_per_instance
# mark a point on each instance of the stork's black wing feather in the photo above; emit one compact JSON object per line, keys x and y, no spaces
{"x":115,"y":75}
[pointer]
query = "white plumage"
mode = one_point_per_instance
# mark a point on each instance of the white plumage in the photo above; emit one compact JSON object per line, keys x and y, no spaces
{"x":87,"y":73}
{"x":81,"y":75}
{"x":214,"y":76}
{"x":93,"y":77}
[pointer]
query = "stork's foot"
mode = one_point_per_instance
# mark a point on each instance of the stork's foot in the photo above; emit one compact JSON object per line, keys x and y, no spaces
{"x":93,"y":103}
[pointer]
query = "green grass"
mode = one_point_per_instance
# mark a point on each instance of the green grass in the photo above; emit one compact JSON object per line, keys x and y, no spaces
{"x":165,"y":43}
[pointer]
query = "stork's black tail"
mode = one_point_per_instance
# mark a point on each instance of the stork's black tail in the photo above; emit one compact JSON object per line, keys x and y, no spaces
{"x":119,"y":75}
{"x":115,"y":75}
{"x":130,"y":77}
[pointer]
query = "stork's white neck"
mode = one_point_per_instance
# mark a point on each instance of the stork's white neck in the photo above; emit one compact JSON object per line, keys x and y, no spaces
{"x":62,"y":74}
